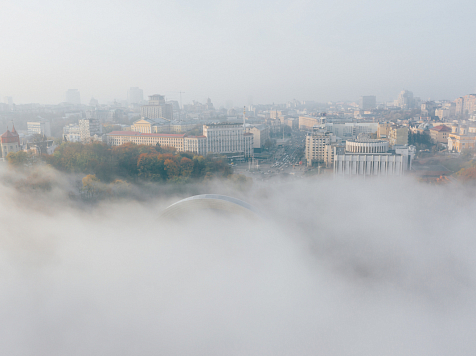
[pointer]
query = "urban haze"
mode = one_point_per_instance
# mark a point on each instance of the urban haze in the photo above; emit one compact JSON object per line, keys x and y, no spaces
{"x":237,"y":178}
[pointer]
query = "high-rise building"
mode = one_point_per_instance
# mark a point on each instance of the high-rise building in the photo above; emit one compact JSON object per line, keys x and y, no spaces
{"x":319,"y":147}
{"x":135,"y":95}
{"x":157,"y":108}
{"x":405,"y":100}
{"x":368,"y":102}
{"x":73,"y":97}
{"x":88,"y":128}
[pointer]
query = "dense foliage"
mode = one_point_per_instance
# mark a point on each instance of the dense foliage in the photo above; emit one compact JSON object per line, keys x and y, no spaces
{"x":135,"y":162}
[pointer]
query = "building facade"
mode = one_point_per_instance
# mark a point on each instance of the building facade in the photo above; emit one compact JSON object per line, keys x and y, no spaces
{"x":317,"y":149}
{"x":228,"y":138}
{"x":367,"y":102}
{"x":135,"y":95}
{"x":39,"y":128}
{"x":10,"y":142}
{"x":440,"y":133}
{"x":370,"y":158}
{"x":157,"y":108}
{"x":260,"y":135}
{"x":89,"y":129}
{"x":71,"y":133}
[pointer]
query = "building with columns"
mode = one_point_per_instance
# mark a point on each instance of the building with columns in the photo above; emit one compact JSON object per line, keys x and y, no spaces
{"x":366,"y":157}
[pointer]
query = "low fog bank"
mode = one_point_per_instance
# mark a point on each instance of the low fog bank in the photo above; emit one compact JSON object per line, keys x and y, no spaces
{"x":355,"y":267}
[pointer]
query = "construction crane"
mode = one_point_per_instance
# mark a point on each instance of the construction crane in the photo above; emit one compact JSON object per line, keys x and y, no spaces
{"x":178,"y":92}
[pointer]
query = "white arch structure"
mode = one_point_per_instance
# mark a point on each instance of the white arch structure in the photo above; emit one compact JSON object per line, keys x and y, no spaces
{"x":210,"y":202}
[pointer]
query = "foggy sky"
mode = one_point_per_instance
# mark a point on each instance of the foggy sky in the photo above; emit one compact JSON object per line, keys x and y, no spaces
{"x":337,"y":268}
{"x":273,"y":51}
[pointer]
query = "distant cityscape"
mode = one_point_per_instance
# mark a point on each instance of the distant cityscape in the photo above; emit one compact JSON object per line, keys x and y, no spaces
{"x":361,"y":138}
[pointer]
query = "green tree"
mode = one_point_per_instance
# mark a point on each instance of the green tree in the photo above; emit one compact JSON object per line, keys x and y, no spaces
{"x":19,"y":159}
{"x":91,"y":185}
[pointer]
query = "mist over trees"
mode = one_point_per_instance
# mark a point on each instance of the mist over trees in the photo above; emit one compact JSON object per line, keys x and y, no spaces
{"x":130,"y":162}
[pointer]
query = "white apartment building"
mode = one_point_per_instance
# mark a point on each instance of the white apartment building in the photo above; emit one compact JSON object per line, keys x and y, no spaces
{"x":217,"y":139}
{"x":88,"y":128}
{"x":71,"y":133}
{"x":39,"y":127}
{"x":157,"y":108}
{"x":260,"y":135}
{"x":318,"y":144}
{"x":180,"y":142}
{"x":228,"y":138}
{"x":366,"y":157}
{"x":350,"y":129}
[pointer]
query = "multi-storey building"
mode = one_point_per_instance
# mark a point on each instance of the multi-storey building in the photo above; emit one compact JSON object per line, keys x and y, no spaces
{"x":135,"y":95}
{"x":39,"y":127}
{"x":366,"y":157}
{"x":10,"y":142}
{"x":157,"y":108}
{"x":461,"y":138}
{"x":181,"y":142}
{"x":89,"y":129}
{"x":439,"y":134}
{"x":367,"y":102}
{"x":228,"y":138}
{"x":398,"y":135}
{"x":260,"y":135}
{"x":318,"y":143}
{"x":71,"y":133}
{"x":308,"y":122}
{"x":350,"y":130}
{"x":405,"y":100}
{"x":151,"y":125}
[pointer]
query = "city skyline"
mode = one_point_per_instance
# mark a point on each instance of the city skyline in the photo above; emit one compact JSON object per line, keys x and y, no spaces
{"x":273,"y":52}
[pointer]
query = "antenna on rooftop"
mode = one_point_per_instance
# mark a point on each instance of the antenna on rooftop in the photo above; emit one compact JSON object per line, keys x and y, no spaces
{"x":244,"y":117}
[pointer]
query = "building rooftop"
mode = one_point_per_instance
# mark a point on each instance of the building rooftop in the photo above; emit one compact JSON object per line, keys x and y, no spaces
{"x":135,"y":133}
{"x":441,"y":128}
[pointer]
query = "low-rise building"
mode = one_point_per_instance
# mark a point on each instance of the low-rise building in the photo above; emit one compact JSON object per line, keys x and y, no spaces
{"x":217,"y":139}
{"x":39,"y":128}
{"x":461,"y":139}
{"x":10,"y":142}
{"x":71,"y":133}
{"x":439,"y":134}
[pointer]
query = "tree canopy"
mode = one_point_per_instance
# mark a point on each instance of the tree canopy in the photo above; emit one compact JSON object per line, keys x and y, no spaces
{"x":136,"y":162}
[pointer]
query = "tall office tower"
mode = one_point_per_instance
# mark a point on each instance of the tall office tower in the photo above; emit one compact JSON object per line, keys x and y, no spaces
{"x":157,"y":108}
{"x":135,"y":95}
{"x":405,"y":100}
{"x":367,"y":102}
{"x":72,"y":97}
{"x":9,"y":100}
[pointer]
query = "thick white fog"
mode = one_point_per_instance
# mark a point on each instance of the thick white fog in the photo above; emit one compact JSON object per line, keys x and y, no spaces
{"x":337,"y":268}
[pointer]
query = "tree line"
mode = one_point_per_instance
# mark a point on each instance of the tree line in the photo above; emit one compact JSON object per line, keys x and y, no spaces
{"x":130,"y":161}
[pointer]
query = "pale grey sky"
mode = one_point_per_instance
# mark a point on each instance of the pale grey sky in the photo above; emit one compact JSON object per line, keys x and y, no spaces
{"x":228,"y":50}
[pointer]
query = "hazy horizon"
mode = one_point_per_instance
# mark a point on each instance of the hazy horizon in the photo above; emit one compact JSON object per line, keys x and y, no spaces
{"x":229,"y":50}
